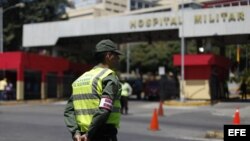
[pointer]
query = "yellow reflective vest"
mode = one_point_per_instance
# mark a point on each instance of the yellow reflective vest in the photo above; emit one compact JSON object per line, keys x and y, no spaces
{"x":126,"y":89}
{"x":87,"y":92}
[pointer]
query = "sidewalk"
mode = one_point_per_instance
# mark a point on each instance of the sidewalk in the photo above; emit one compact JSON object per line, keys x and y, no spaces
{"x":187,"y":103}
{"x":214,"y":134}
{"x":210,"y":134}
{"x":37,"y":101}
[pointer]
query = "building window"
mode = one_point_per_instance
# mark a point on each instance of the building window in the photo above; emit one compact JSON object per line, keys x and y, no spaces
{"x":108,"y":9}
{"x":139,"y":5}
{"x":116,"y":4}
{"x":217,"y":5}
{"x":132,"y":3}
{"x":108,"y":2}
{"x":226,"y":5}
{"x":122,"y":5}
{"x":116,"y":11}
{"x":243,"y":3}
{"x":235,"y":4}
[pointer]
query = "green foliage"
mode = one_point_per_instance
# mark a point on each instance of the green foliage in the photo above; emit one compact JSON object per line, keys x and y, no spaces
{"x":240,"y":77}
{"x":34,"y":11}
{"x":191,"y":47}
{"x":148,"y":57}
{"x":245,"y":76}
{"x":43,"y":11}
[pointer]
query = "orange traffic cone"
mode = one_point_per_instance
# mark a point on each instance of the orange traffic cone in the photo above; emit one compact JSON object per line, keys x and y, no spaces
{"x":154,"y":125}
{"x":160,"y":111}
{"x":236,"y":120}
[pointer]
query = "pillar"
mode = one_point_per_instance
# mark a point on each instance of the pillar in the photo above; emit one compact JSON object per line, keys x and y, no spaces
{"x":20,"y":84}
{"x":59,"y":85}
{"x":44,"y":86}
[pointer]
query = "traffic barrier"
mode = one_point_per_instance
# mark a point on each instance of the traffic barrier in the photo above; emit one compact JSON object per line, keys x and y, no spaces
{"x":161,"y":111}
{"x":154,"y":125}
{"x":236,"y":120}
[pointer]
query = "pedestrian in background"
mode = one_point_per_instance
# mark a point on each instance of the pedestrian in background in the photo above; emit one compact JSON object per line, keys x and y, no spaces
{"x":126,"y":92}
{"x":3,"y":85}
{"x":225,"y":90}
{"x":163,"y":87}
{"x":138,"y":87}
{"x":93,"y":111}
{"x":9,"y":91}
{"x":243,"y":89}
{"x":214,"y":85}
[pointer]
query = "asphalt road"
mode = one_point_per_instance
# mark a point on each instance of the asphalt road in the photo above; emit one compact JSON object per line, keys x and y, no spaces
{"x":44,"y":122}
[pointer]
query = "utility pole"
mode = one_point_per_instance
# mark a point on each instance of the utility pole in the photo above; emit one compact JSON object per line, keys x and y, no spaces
{"x":1,"y":29}
{"x":128,"y":57}
{"x":182,"y":93}
{"x":246,"y":58}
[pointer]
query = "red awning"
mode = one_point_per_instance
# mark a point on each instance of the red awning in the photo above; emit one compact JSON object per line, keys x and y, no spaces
{"x":30,"y":61}
{"x":202,"y":60}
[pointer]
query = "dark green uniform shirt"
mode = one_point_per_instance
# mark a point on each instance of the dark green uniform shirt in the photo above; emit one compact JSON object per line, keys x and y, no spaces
{"x":111,"y":87}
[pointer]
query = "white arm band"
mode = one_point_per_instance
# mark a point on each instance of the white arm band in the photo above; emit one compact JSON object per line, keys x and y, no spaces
{"x":106,"y":103}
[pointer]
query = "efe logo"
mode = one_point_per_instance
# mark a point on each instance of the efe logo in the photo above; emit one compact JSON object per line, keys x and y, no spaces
{"x":236,"y":132}
{"x":239,"y":132}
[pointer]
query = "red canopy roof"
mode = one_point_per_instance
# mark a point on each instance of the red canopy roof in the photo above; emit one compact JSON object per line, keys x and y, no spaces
{"x":202,"y":60}
{"x":31,"y":61}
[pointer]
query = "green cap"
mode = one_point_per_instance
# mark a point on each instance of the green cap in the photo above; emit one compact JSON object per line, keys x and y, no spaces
{"x":107,"y":45}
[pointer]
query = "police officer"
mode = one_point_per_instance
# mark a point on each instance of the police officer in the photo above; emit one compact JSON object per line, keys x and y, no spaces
{"x":93,"y":111}
{"x":3,"y":85}
{"x":126,"y":92}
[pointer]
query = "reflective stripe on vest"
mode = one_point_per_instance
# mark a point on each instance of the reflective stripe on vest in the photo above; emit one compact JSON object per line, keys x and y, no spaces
{"x":87,"y":91}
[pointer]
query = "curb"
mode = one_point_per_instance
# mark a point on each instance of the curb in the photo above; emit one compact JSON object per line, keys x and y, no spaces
{"x":214,"y":134}
{"x":187,"y":103}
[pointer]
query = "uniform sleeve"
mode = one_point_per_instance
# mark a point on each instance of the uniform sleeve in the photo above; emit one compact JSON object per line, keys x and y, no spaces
{"x":110,"y":90}
{"x":69,"y":117}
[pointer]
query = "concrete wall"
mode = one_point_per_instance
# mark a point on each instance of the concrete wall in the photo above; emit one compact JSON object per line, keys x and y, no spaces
{"x":197,"y":89}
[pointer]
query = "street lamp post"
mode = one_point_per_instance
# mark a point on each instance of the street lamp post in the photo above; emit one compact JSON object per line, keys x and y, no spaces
{"x":18,"y":5}
{"x":128,"y":58}
{"x":1,"y":29}
{"x":182,"y":96}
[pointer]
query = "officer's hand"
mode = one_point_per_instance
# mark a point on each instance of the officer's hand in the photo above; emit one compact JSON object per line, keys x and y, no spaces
{"x":77,"y":137}
{"x":84,"y":137}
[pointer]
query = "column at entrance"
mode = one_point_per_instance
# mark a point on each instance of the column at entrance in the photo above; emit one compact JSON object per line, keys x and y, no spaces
{"x":59,"y":85}
{"x":20,"y":84}
{"x":44,"y":94}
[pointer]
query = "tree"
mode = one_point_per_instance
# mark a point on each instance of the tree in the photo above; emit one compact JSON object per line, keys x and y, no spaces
{"x":148,"y":57}
{"x":35,"y":11}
